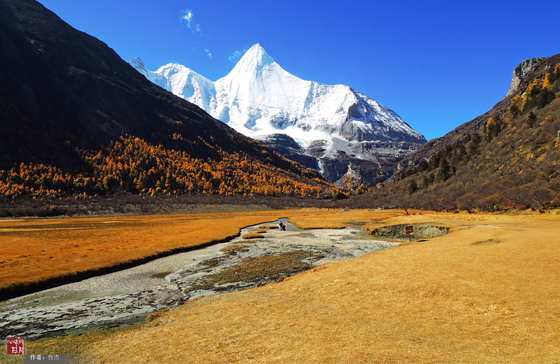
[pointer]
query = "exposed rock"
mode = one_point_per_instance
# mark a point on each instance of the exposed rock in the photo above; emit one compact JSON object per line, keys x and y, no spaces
{"x":523,"y":75}
{"x":520,"y":73}
{"x":420,"y":231}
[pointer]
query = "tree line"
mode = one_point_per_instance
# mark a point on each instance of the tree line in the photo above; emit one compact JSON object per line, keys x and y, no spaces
{"x":135,"y":166}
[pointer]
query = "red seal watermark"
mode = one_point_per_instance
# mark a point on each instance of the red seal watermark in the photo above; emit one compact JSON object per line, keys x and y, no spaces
{"x":16,"y":346}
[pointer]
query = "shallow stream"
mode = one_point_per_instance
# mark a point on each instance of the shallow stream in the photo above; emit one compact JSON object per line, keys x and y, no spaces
{"x":129,"y":296}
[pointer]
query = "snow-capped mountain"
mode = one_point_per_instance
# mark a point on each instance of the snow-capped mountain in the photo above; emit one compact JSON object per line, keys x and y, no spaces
{"x":313,"y":123}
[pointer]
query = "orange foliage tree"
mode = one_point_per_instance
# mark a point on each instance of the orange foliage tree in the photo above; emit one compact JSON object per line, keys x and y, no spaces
{"x":133,"y":165}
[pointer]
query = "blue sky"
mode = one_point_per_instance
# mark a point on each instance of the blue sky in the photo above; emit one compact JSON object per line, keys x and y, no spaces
{"x":438,"y":64}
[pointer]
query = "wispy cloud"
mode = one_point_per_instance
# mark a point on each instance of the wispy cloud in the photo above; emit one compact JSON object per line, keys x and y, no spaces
{"x":236,"y":55}
{"x":187,"y":16}
{"x":208,"y":53}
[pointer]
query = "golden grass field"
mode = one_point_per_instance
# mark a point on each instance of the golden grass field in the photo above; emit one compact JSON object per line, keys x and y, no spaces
{"x":36,"y":250}
{"x":488,"y":292}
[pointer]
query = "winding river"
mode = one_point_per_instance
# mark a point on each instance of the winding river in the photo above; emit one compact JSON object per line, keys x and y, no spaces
{"x":129,"y":296}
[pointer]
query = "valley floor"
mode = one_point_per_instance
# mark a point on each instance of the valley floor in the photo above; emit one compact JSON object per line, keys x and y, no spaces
{"x":489,"y":291}
{"x":41,"y":253}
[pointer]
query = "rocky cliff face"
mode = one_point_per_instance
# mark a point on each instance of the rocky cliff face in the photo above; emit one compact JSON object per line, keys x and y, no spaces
{"x":520,"y":73}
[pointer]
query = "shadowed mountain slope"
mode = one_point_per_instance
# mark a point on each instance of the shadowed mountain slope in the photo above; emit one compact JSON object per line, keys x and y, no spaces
{"x":63,"y":92}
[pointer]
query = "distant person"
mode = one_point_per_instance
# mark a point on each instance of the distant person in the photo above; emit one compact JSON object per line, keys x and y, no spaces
{"x":282,"y":226}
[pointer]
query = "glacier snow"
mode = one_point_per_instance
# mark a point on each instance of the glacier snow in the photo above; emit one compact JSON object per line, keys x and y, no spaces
{"x":259,"y":98}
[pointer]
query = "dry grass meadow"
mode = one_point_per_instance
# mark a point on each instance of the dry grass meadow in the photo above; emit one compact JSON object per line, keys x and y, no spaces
{"x":34,"y":251}
{"x":488,"y":292}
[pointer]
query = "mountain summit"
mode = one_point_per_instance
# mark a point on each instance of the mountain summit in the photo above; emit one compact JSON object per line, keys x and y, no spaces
{"x":329,"y":128}
{"x":254,"y":59}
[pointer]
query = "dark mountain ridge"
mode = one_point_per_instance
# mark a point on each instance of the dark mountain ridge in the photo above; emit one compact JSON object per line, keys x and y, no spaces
{"x":63,"y":92}
{"x":67,"y":84}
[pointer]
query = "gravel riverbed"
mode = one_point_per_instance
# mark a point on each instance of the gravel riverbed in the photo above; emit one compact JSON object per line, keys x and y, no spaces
{"x":128,"y":296}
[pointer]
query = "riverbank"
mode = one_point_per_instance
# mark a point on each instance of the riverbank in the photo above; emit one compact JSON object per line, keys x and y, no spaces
{"x":44,"y":253}
{"x":127,"y":297}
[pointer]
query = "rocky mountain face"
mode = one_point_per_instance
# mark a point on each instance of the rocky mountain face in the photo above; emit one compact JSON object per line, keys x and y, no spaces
{"x":60,"y":85}
{"x":65,"y":95}
{"x":328,"y":128}
{"x":521,"y":72}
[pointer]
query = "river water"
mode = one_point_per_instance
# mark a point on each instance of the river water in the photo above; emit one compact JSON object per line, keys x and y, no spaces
{"x":129,"y":296}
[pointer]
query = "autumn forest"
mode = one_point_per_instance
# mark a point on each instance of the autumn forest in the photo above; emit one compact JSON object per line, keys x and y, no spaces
{"x":132,"y":165}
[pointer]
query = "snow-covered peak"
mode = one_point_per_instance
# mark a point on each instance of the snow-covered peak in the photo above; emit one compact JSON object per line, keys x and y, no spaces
{"x":252,"y":63}
{"x":255,"y":56}
{"x":177,"y":75}
{"x":139,"y":65}
{"x":259,"y":98}
{"x":182,"y":81}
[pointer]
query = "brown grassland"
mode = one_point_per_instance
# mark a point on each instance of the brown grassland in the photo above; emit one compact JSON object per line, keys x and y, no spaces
{"x":487,"y":292}
{"x":37,"y":250}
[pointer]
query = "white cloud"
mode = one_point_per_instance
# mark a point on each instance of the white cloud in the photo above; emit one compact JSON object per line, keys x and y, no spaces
{"x":208,"y":53}
{"x":236,"y":55}
{"x":187,"y":16}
